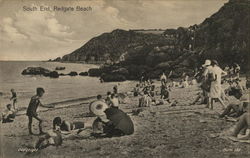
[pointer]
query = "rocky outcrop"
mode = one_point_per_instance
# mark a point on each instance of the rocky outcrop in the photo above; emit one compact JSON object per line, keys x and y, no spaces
{"x":111,"y":47}
{"x":54,"y":74}
{"x":83,"y":73}
{"x":73,"y":73}
{"x":40,"y":71}
{"x":95,"y":72}
{"x":35,"y":71}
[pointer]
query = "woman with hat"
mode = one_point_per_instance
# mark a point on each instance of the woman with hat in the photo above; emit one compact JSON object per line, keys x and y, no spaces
{"x":206,"y":83}
{"x":215,"y":89}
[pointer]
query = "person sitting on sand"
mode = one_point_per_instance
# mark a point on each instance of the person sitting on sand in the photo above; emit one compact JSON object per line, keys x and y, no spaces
{"x":63,"y":125}
{"x":114,"y":101}
{"x":152,"y":93}
{"x":165,"y":93}
{"x":237,"y":70}
{"x":51,"y":138}
{"x":108,"y":98}
{"x":8,"y":115}
{"x":116,"y":123}
{"x":235,"y":89}
{"x":235,"y":110}
{"x":242,"y":126}
{"x":145,"y":100}
{"x":136,"y":90}
{"x":13,"y":98}
{"x":32,"y":109}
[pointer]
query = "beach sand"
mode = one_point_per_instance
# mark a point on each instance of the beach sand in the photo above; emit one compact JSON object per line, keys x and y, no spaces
{"x":160,"y":131}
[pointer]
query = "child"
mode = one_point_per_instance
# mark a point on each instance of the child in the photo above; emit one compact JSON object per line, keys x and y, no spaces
{"x":14,"y":98}
{"x":136,"y":90}
{"x":32,"y":109}
{"x":115,"y":89}
{"x":165,"y":93}
{"x":50,"y":138}
{"x":108,"y":99}
{"x":145,"y":100}
{"x":8,"y":115}
{"x":67,"y":126}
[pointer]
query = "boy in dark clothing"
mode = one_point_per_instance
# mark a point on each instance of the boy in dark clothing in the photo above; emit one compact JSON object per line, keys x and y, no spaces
{"x":32,"y":109}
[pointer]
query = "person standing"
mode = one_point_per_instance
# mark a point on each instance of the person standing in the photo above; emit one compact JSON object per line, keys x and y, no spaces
{"x":205,"y":82}
{"x":32,"y":109}
{"x":13,"y":98}
{"x":163,"y":79}
{"x":215,"y":89}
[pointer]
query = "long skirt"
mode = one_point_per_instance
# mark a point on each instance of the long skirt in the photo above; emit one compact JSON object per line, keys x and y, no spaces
{"x":215,"y":90}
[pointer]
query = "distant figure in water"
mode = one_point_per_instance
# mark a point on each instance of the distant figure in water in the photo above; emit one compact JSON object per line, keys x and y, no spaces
{"x":32,"y":109}
{"x":63,"y":125}
{"x":8,"y":115}
{"x":13,"y":98}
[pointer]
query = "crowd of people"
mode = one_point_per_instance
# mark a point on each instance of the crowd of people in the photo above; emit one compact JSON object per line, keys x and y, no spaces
{"x":216,"y":85}
{"x":111,"y":121}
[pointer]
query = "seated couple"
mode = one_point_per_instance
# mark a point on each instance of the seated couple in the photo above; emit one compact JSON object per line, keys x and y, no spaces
{"x":110,"y":121}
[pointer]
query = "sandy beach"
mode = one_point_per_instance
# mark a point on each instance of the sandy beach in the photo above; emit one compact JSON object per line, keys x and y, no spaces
{"x":160,"y":131}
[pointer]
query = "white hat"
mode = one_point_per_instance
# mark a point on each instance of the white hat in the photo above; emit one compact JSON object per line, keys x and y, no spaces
{"x":207,"y":62}
{"x":98,"y":108}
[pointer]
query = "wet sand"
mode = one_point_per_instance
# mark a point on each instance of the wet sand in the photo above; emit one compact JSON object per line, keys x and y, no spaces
{"x":160,"y":131}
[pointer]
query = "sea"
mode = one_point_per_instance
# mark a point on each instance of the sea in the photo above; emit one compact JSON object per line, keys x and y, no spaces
{"x":59,"y":89}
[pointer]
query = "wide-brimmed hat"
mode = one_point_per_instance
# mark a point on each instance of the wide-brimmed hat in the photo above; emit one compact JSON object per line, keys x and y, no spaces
{"x":207,"y":63}
{"x":98,"y":108}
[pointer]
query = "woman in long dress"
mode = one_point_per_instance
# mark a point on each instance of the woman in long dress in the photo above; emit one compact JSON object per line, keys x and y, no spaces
{"x":215,"y":89}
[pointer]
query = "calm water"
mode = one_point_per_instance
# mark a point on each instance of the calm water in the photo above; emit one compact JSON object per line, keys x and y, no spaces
{"x":60,"y":89}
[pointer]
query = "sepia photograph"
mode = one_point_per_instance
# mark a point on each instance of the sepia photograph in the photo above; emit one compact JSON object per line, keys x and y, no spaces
{"x":124,"y":78}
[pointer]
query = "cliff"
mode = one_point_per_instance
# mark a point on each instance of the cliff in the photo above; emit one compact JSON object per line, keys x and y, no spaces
{"x":224,"y":36}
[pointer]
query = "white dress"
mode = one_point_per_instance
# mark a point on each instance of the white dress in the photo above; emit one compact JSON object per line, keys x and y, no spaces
{"x":215,"y":90}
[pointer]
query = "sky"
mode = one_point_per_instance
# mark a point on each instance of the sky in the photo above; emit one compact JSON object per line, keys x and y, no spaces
{"x":43,"y":35}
